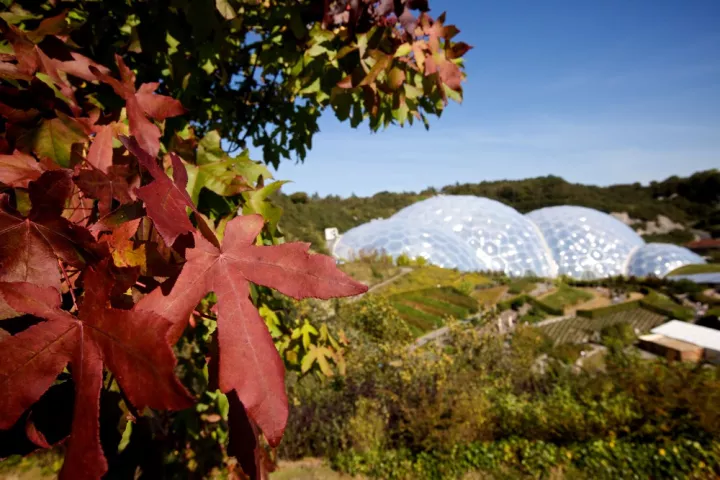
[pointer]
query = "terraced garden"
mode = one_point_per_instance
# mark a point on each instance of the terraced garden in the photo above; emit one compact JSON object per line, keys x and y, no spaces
{"x":579,"y":329}
{"x":566,"y":296}
{"x":424,"y":309}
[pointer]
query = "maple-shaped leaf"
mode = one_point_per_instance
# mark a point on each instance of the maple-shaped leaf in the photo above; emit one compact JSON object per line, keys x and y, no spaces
{"x":165,"y":199}
{"x":105,"y":187}
{"x":19,"y":169}
{"x":31,"y":246}
{"x":132,"y":344}
{"x":140,"y":104}
{"x":249,"y":363}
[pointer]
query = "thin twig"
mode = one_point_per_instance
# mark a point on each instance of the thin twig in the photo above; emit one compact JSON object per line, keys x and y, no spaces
{"x":67,"y":280}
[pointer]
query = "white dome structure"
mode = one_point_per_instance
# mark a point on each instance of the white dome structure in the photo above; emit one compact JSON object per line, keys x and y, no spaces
{"x":502,"y":239}
{"x":395,"y":237}
{"x":586,"y":243}
{"x":659,"y":259}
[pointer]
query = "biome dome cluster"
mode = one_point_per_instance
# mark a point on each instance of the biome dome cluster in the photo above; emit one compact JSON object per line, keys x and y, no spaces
{"x":479,"y":234}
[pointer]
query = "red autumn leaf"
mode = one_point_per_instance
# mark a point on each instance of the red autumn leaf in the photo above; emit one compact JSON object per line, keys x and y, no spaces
{"x":79,"y":67}
{"x":104,"y":187}
{"x":100,"y":335}
{"x":141,"y":103}
{"x":249,"y":363}
{"x":31,"y":246}
{"x":19,"y":169}
{"x":165,"y":199}
{"x":158,"y":107}
{"x":100,"y":153}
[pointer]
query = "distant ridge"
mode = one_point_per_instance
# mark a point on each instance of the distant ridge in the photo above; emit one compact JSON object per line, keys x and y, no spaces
{"x":691,"y":201}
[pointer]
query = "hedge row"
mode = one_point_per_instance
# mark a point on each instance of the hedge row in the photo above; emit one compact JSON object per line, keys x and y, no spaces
{"x":677,"y":313}
{"x":610,"y":309}
{"x":600,"y":459}
{"x":525,"y":298}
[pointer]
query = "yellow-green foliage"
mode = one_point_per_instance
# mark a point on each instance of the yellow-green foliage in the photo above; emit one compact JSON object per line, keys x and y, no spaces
{"x":375,"y":317}
{"x":432,"y":276}
{"x":430,"y":402}
{"x":489,"y":296}
{"x":566,"y":297}
{"x":691,"y":269}
{"x":425,"y":309}
{"x":366,"y":428}
{"x":371,"y":269}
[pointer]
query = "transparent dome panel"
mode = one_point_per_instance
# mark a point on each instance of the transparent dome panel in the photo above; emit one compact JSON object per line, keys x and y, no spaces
{"x":501,"y":237}
{"x":396,"y":237}
{"x":659,"y":259}
{"x":586,"y":243}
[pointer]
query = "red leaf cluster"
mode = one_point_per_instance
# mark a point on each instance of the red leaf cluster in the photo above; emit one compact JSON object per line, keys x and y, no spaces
{"x":87,"y":230}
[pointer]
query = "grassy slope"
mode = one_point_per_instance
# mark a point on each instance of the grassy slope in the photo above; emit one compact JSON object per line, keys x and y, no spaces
{"x":691,"y":269}
{"x":566,"y":296}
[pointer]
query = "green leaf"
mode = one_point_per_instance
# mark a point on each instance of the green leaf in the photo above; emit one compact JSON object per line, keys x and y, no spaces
{"x":319,"y":355}
{"x":209,"y":149}
{"x":403,"y":50}
{"x":223,"y":405}
{"x":271,"y":320}
{"x":54,"y":139}
{"x":307,"y":330}
{"x":256,"y":202}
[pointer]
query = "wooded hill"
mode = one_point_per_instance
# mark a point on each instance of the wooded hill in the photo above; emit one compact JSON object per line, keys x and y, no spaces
{"x":692,"y":201}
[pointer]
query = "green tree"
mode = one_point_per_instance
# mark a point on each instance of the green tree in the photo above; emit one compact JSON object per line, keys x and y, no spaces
{"x":243,"y":72}
{"x":263,"y":72}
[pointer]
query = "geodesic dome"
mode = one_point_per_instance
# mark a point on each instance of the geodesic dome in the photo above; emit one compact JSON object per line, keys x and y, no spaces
{"x":659,"y":259}
{"x":396,"y":237}
{"x":501,"y":238}
{"x":586,"y":243}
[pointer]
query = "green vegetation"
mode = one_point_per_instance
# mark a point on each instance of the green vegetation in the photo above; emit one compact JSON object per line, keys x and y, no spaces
{"x":489,"y":296}
{"x":678,"y":237}
{"x":693,"y":203}
{"x":521,"y":285}
{"x":371,"y":269}
{"x":665,"y":305}
{"x":701,"y":268}
{"x":476,"y":405}
{"x":431,"y":276}
{"x":424,"y":310}
{"x":610,"y":309}
{"x":579,"y":329}
{"x":566,"y":296}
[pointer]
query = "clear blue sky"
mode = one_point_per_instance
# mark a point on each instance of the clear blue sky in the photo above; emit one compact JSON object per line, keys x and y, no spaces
{"x":598,"y":92}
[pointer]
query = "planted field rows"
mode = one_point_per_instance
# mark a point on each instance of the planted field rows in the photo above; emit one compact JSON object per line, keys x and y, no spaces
{"x":579,"y":329}
{"x":424,"y":309}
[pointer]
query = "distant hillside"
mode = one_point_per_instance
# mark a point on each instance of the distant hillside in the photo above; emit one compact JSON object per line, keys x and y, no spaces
{"x":692,"y":201}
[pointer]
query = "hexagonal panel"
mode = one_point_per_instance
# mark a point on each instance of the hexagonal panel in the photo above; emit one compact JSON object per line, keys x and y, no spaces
{"x":395,"y":237}
{"x":659,"y":259}
{"x":502,"y":238}
{"x":586,"y":243}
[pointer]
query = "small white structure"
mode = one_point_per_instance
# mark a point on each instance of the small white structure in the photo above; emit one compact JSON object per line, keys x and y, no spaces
{"x":707,"y":338}
{"x":331,"y":237}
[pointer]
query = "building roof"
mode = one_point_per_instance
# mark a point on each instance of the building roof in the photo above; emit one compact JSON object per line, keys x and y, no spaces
{"x":704,"y":243}
{"x":671,"y":343}
{"x":690,"y":333}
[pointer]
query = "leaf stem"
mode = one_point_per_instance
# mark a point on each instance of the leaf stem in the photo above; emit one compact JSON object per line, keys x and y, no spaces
{"x":67,"y":280}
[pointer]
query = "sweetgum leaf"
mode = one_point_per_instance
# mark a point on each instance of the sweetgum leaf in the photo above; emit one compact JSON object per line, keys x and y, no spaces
{"x":249,"y":362}
{"x":19,"y":169}
{"x":100,"y":153}
{"x":31,"y":246}
{"x":55,"y":137}
{"x":165,"y":199}
{"x":100,"y":335}
{"x":96,"y":184}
